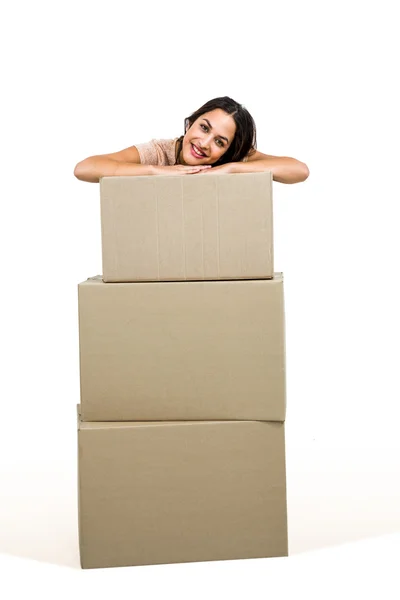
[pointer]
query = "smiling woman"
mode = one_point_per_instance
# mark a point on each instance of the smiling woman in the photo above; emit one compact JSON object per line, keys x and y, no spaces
{"x":220,"y":137}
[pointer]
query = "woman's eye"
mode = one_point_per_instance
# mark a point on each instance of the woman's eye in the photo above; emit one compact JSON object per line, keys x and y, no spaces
{"x":219,"y":143}
{"x":204,"y":127}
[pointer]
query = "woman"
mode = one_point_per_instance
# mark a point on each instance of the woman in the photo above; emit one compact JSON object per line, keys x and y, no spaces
{"x":220,"y":137}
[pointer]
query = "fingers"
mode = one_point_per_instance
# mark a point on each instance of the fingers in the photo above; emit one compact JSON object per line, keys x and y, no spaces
{"x":207,"y":171}
{"x":196,"y":168}
{"x":184,"y":169}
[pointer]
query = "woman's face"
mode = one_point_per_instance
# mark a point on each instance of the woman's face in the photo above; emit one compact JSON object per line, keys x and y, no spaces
{"x":208,"y":138}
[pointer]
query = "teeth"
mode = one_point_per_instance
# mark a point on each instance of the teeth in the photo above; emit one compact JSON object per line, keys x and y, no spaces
{"x":197,"y":152}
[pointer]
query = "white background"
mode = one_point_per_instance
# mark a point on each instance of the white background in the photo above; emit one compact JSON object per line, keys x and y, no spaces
{"x":321,"y":81}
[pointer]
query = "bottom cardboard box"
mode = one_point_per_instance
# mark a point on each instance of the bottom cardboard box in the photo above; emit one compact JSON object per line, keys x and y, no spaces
{"x":169,"y":492}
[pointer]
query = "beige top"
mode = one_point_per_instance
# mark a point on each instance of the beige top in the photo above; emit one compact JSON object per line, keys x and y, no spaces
{"x":160,"y":152}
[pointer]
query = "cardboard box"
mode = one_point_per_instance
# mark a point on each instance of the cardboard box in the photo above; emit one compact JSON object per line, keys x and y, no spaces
{"x":197,"y":227}
{"x":152,"y":493}
{"x":182,"y":350}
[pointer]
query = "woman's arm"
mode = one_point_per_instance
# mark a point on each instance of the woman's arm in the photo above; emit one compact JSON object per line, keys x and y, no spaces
{"x":126,"y":162}
{"x":284,"y":169}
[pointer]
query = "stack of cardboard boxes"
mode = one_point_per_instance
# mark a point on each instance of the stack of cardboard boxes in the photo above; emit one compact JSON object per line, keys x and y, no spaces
{"x":182,"y":357}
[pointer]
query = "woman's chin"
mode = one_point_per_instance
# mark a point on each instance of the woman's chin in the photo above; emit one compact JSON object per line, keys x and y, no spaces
{"x":192,"y":162}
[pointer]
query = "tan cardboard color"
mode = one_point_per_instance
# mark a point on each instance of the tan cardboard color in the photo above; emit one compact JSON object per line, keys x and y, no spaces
{"x":182,"y":350}
{"x":193,"y":227}
{"x":152,"y":493}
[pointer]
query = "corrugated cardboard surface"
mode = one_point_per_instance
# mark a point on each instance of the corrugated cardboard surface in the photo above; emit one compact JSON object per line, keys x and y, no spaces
{"x":152,"y":493}
{"x":182,"y":350}
{"x":197,"y":227}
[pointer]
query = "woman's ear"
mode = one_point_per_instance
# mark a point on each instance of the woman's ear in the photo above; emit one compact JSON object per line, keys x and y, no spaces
{"x":187,"y":125}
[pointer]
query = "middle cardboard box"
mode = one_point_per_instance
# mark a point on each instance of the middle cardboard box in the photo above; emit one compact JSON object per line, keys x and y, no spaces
{"x":162,"y":351}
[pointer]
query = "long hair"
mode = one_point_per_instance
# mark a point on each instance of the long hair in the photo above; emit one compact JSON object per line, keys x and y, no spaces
{"x":245,"y":140}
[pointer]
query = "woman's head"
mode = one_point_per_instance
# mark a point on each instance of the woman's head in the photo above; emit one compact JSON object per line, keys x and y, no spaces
{"x":219,"y":132}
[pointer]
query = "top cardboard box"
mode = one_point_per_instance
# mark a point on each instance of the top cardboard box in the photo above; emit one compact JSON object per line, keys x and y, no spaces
{"x":187,"y":228}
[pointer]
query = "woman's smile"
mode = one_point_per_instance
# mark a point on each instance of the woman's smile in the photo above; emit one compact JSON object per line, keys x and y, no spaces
{"x":196,"y":152}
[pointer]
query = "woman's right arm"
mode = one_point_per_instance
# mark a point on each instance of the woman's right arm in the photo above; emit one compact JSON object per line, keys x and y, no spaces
{"x":126,"y":162}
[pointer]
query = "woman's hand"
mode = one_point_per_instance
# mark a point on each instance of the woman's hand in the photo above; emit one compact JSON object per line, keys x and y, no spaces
{"x":180,"y":169}
{"x":227,"y":168}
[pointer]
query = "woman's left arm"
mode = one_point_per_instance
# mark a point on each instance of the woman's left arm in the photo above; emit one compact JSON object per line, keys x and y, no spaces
{"x":284,"y":169}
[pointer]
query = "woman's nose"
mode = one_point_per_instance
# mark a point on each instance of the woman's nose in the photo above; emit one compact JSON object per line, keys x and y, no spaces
{"x":206,"y":140}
